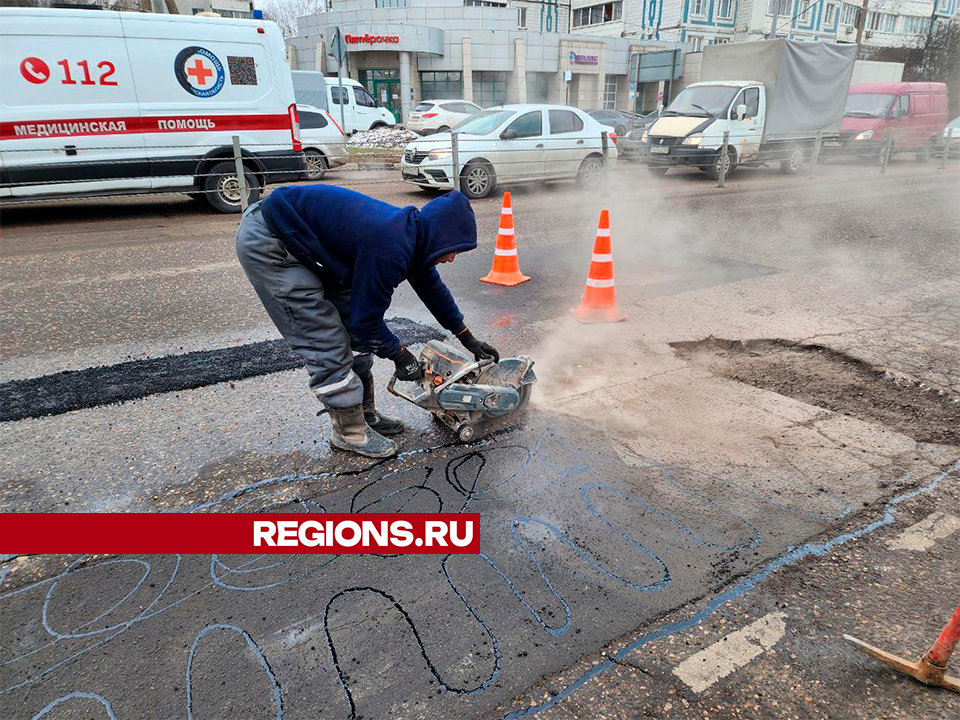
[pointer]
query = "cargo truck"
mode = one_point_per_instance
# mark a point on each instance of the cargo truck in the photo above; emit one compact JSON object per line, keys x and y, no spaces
{"x":771,"y":96}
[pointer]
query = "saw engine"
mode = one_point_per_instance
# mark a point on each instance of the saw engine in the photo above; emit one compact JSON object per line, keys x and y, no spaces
{"x":462,"y":392}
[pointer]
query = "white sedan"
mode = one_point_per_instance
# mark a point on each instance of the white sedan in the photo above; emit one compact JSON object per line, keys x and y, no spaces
{"x":512,"y":144}
{"x":432,"y":116}
{"x":324,"y":145}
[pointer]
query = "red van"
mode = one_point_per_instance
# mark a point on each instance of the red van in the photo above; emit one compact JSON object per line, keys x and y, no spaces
{"x":916,"y":113}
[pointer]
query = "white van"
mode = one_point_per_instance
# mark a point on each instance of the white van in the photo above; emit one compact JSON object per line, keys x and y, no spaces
{"x":361,"y":111}
{"x":105,"y":103}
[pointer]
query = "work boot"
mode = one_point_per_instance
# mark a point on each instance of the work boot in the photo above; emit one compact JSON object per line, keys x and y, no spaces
{"x":383,"y":424}
{"x":351,"y":433}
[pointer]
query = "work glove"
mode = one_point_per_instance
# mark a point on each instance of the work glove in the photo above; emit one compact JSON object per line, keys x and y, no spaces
{"x":480,"y":349}
{"x":408,"y":367}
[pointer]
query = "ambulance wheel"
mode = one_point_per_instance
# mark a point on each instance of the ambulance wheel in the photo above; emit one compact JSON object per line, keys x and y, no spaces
{"x":222,"y":187}
{"x":315,"y":164}
{"x":465,"y":433}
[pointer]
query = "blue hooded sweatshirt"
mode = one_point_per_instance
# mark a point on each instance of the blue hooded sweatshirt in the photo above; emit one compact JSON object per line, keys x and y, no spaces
{"x":372,"y":247}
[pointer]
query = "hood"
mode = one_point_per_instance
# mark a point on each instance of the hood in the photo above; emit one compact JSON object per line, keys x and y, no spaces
{"x":677,"y":125}
{"x":447,"y":225}
{"x":859,"y":124}
{"x":443,"y":140}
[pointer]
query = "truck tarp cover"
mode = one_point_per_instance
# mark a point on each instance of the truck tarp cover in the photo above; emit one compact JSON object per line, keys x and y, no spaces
{"x":806,"y":82}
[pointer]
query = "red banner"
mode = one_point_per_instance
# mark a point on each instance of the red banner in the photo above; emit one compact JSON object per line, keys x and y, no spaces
{"x":241,"y":533}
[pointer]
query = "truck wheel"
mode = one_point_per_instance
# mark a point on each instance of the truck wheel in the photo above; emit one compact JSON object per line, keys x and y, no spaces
{"x":713,"y":169}
{"x":793,"y":162}
{"x":477,"y":180}
{"x":222,"y":187}
{"x":315,"y":163}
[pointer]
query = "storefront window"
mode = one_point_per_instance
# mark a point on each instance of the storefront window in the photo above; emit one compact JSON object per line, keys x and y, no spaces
{"x":441,"y":85}
{"x":489,"y":88}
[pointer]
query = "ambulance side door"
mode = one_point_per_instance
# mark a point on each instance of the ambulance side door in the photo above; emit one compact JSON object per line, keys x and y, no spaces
{"x":202,"y":81}
{"x":69,"y":121}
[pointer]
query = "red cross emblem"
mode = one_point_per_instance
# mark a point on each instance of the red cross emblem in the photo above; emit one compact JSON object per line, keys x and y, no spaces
{"x":199,"y":72}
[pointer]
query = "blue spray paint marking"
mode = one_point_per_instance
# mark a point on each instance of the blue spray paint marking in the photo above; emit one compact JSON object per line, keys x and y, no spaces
{"x":278,"y":698}
{"x":792,"y":556}
{"x":108,"y":708}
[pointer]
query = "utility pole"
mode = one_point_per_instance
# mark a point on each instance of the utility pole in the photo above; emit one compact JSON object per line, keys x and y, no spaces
{"x":776,"y":19}
{"x":861,"y":24}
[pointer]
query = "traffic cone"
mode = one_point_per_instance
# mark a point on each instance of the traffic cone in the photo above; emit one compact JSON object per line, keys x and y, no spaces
{"x":506,"y":267}
{"x":599,"y":301}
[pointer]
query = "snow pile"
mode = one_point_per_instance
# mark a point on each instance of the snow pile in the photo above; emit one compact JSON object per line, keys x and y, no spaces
{"x":383,"y":137}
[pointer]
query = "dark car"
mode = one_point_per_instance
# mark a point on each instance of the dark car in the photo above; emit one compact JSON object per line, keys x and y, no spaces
{"x":621,"y":122}
{"x":630,"y":145}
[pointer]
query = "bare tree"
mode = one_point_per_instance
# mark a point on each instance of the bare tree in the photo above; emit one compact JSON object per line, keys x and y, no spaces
{"x":935,"y":59}
{"x":286,"y":12}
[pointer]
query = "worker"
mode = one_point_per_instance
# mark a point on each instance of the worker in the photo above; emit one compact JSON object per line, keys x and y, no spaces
{"x":325,"y":261}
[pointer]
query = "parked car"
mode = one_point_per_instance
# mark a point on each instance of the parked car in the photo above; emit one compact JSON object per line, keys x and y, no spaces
{"x":324,"y":145}
{"x":620,"y":121}
{"x":432,"y":116}
{"x":952,"y":133}
{"x":511,"y":144}
{"x":100,"y":103}
{"x":630,"y":146}
{"x":361,"y":111}
{"x":915,"y":112}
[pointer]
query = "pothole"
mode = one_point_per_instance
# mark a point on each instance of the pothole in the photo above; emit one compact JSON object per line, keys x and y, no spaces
{"x":834,"y":381}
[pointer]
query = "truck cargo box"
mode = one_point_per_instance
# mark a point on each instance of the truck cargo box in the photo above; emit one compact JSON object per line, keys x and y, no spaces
{"x":806,"y":82}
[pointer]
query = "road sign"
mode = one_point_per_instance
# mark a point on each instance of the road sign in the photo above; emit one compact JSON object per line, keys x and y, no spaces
{"x":338,"y":48}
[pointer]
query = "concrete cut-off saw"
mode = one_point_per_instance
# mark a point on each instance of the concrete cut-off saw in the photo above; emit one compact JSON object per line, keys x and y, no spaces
{"x":464,"y":393}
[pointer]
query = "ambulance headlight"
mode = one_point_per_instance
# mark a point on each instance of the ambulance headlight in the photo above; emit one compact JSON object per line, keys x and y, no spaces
{"x":439,"y":154}
{"x":865,"y":135}
{"x":694,"y":139}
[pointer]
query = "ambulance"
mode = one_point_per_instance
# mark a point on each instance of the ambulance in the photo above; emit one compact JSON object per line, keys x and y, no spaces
{"x":96,"y":103}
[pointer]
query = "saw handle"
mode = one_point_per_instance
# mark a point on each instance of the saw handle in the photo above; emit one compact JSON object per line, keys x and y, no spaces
{"x":465,"y":370}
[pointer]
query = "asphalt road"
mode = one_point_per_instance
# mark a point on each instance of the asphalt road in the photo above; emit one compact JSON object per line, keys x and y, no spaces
{"x":645,"y":507}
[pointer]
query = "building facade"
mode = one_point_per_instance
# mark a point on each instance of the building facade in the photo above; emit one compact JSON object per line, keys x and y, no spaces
{"x":890,"y":23}
{"x":490,"y":53}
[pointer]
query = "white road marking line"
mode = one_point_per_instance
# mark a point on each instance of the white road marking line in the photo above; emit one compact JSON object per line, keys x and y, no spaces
{"x":703,"y":669}
{"x":924,"y":535}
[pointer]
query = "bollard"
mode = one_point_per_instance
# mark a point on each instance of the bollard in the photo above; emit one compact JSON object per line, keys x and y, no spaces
{"x":931,"y":668}
{"x":816,"y":154}
{"x":241,"y":175}
{"x":455,"y":159}
{"x":946,"y":149}
{"x":604,"y":146}
{"x":886,"y":152}
{"x":724,"y":159}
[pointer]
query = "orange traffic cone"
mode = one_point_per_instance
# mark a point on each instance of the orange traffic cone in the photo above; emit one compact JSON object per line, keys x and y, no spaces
{"x":599,"y":302}
{"x":506,"y":267}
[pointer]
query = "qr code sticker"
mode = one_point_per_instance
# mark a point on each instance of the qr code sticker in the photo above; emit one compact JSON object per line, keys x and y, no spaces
{"x":243,"y":70}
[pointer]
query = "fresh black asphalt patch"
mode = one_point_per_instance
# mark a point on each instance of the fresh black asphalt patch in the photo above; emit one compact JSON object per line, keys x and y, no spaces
{"x":75,"y":390}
